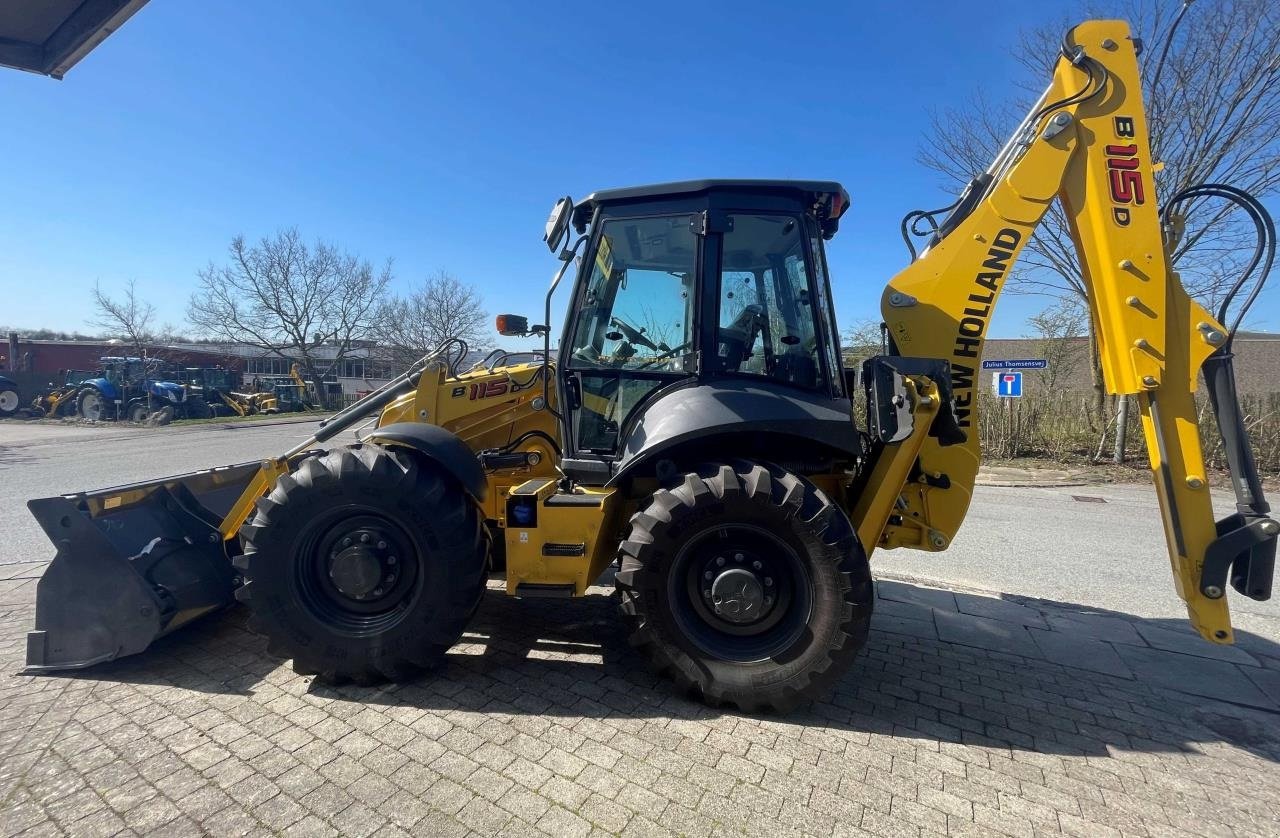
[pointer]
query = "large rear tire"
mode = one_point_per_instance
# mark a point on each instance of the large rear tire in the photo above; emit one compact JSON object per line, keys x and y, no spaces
{"x":92,"y":405}
{"x":364,"y":564}
{"x":746,"y":586}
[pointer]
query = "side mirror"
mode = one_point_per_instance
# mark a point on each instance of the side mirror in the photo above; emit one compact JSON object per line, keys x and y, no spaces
{"x":512,"y":325}
{"x":558,"y":224}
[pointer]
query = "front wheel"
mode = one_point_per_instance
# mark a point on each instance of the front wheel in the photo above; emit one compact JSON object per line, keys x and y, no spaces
{"x":364,"y":564}
{"x":198,"y":408}
{"x":746,"y":586}
{"x":138,"y":411}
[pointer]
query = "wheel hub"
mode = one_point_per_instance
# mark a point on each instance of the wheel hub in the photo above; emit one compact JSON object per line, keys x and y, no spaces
{"x":362,"y":565}
{"x":738,"y":589}
{"x":738,"y":596}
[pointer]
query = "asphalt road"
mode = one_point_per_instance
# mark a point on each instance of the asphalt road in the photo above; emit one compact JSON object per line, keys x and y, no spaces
{"x":1038,"y":542}
{"x":1042,"y":542}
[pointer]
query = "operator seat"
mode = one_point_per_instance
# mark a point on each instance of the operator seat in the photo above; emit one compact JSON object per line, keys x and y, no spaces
{"x":795,"y":366}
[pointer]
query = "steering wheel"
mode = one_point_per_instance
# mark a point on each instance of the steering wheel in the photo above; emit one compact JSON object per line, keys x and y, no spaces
{"x":632,"y":334}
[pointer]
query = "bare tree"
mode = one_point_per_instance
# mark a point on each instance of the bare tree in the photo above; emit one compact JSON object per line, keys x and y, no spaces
{"x":1059,"y":327}
{"x":862,"y":340}
{"x":442,"y":307}
{"x":1211,"y":80}
{"x":313,"y":303}
{"x":127,"y":318}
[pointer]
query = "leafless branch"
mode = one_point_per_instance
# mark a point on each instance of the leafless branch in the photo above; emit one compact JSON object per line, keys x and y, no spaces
{"x":290,"y":298}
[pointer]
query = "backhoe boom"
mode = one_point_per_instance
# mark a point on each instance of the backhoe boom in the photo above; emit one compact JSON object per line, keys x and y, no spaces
{"x":1086,"y":144}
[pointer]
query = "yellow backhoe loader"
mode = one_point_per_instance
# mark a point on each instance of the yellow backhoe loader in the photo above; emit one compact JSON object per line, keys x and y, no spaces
{"x":695,"y":429}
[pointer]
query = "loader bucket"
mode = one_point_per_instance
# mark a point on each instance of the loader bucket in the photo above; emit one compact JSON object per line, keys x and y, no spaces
{"x":133,"y":563}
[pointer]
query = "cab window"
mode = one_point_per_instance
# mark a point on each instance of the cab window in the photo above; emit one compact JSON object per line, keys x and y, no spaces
{"x":766,"y":323}
{"x":637,"y":308}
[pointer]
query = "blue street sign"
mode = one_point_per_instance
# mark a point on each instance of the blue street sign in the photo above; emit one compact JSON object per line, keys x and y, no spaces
{"x":1009,"y":385}
{"x":1017,"y":364}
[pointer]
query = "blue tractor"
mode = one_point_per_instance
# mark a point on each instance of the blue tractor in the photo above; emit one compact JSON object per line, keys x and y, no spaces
{"x":127,"y":389}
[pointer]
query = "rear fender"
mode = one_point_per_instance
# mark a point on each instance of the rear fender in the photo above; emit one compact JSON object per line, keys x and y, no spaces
{"x":103,"y":386}
{"x":442,"y":447}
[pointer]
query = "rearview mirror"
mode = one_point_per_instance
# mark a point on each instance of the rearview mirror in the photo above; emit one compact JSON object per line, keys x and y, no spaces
{"x":512,"y":325}
{"x":558,"y":224}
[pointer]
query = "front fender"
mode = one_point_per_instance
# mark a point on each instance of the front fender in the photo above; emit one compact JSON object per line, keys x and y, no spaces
{"x":440,"y":446}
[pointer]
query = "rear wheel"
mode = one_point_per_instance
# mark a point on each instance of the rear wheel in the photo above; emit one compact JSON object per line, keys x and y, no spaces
{"x":746,"y":586}
{"x":9,"y":401}
{"x":92,"y":405}
{"x":364,"y":564}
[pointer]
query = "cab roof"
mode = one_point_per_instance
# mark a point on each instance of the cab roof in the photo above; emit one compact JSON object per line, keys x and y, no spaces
{"x":827,"y":192}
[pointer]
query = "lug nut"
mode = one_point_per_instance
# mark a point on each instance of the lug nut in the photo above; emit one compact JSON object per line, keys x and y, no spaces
{"x":391,"y":580}
{"x":382,"y":545}
{"x":756,"y":565}
{"x":377,"y":592}
{"x":768,"y":601}
{"x":768,"y":580}
{"x":707,"y":593}
{"x":737,"y":557}
{"x":707,"y":575}
{"x":364,"y":538}
{"x":720,"y":561}
{"x":346,"y":542}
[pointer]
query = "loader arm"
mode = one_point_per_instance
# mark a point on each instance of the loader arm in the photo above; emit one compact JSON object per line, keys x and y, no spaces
{"x":1085,"y":144}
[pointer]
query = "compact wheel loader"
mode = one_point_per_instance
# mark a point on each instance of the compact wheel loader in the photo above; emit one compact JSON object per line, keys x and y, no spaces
{"x":695,"y":431}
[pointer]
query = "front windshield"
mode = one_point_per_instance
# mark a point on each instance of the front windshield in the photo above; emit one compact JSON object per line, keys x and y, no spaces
{"x":637,"y":309}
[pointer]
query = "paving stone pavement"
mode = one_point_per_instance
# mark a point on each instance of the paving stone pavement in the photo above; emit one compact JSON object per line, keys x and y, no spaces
{"x":966,"y":715}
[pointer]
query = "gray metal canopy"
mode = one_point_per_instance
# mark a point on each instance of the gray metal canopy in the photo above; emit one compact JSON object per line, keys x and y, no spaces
{"x":50,"y":36}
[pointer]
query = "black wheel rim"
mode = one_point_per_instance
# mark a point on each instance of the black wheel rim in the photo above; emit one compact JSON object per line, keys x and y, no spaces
{"x":357,"y":571}
{"x":740,"y":593}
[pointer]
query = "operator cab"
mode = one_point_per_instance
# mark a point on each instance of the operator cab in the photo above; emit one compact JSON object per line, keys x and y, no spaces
{"x":683,"y":285}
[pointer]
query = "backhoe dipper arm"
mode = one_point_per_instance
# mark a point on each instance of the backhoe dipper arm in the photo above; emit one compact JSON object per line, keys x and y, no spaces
{"x":1086,"y":144}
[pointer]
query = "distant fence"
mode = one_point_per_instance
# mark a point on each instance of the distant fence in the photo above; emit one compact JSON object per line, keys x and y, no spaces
{"x":1057,"y":426}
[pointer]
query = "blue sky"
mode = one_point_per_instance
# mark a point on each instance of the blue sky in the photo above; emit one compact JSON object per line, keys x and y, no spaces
{"x":441,"y":137}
